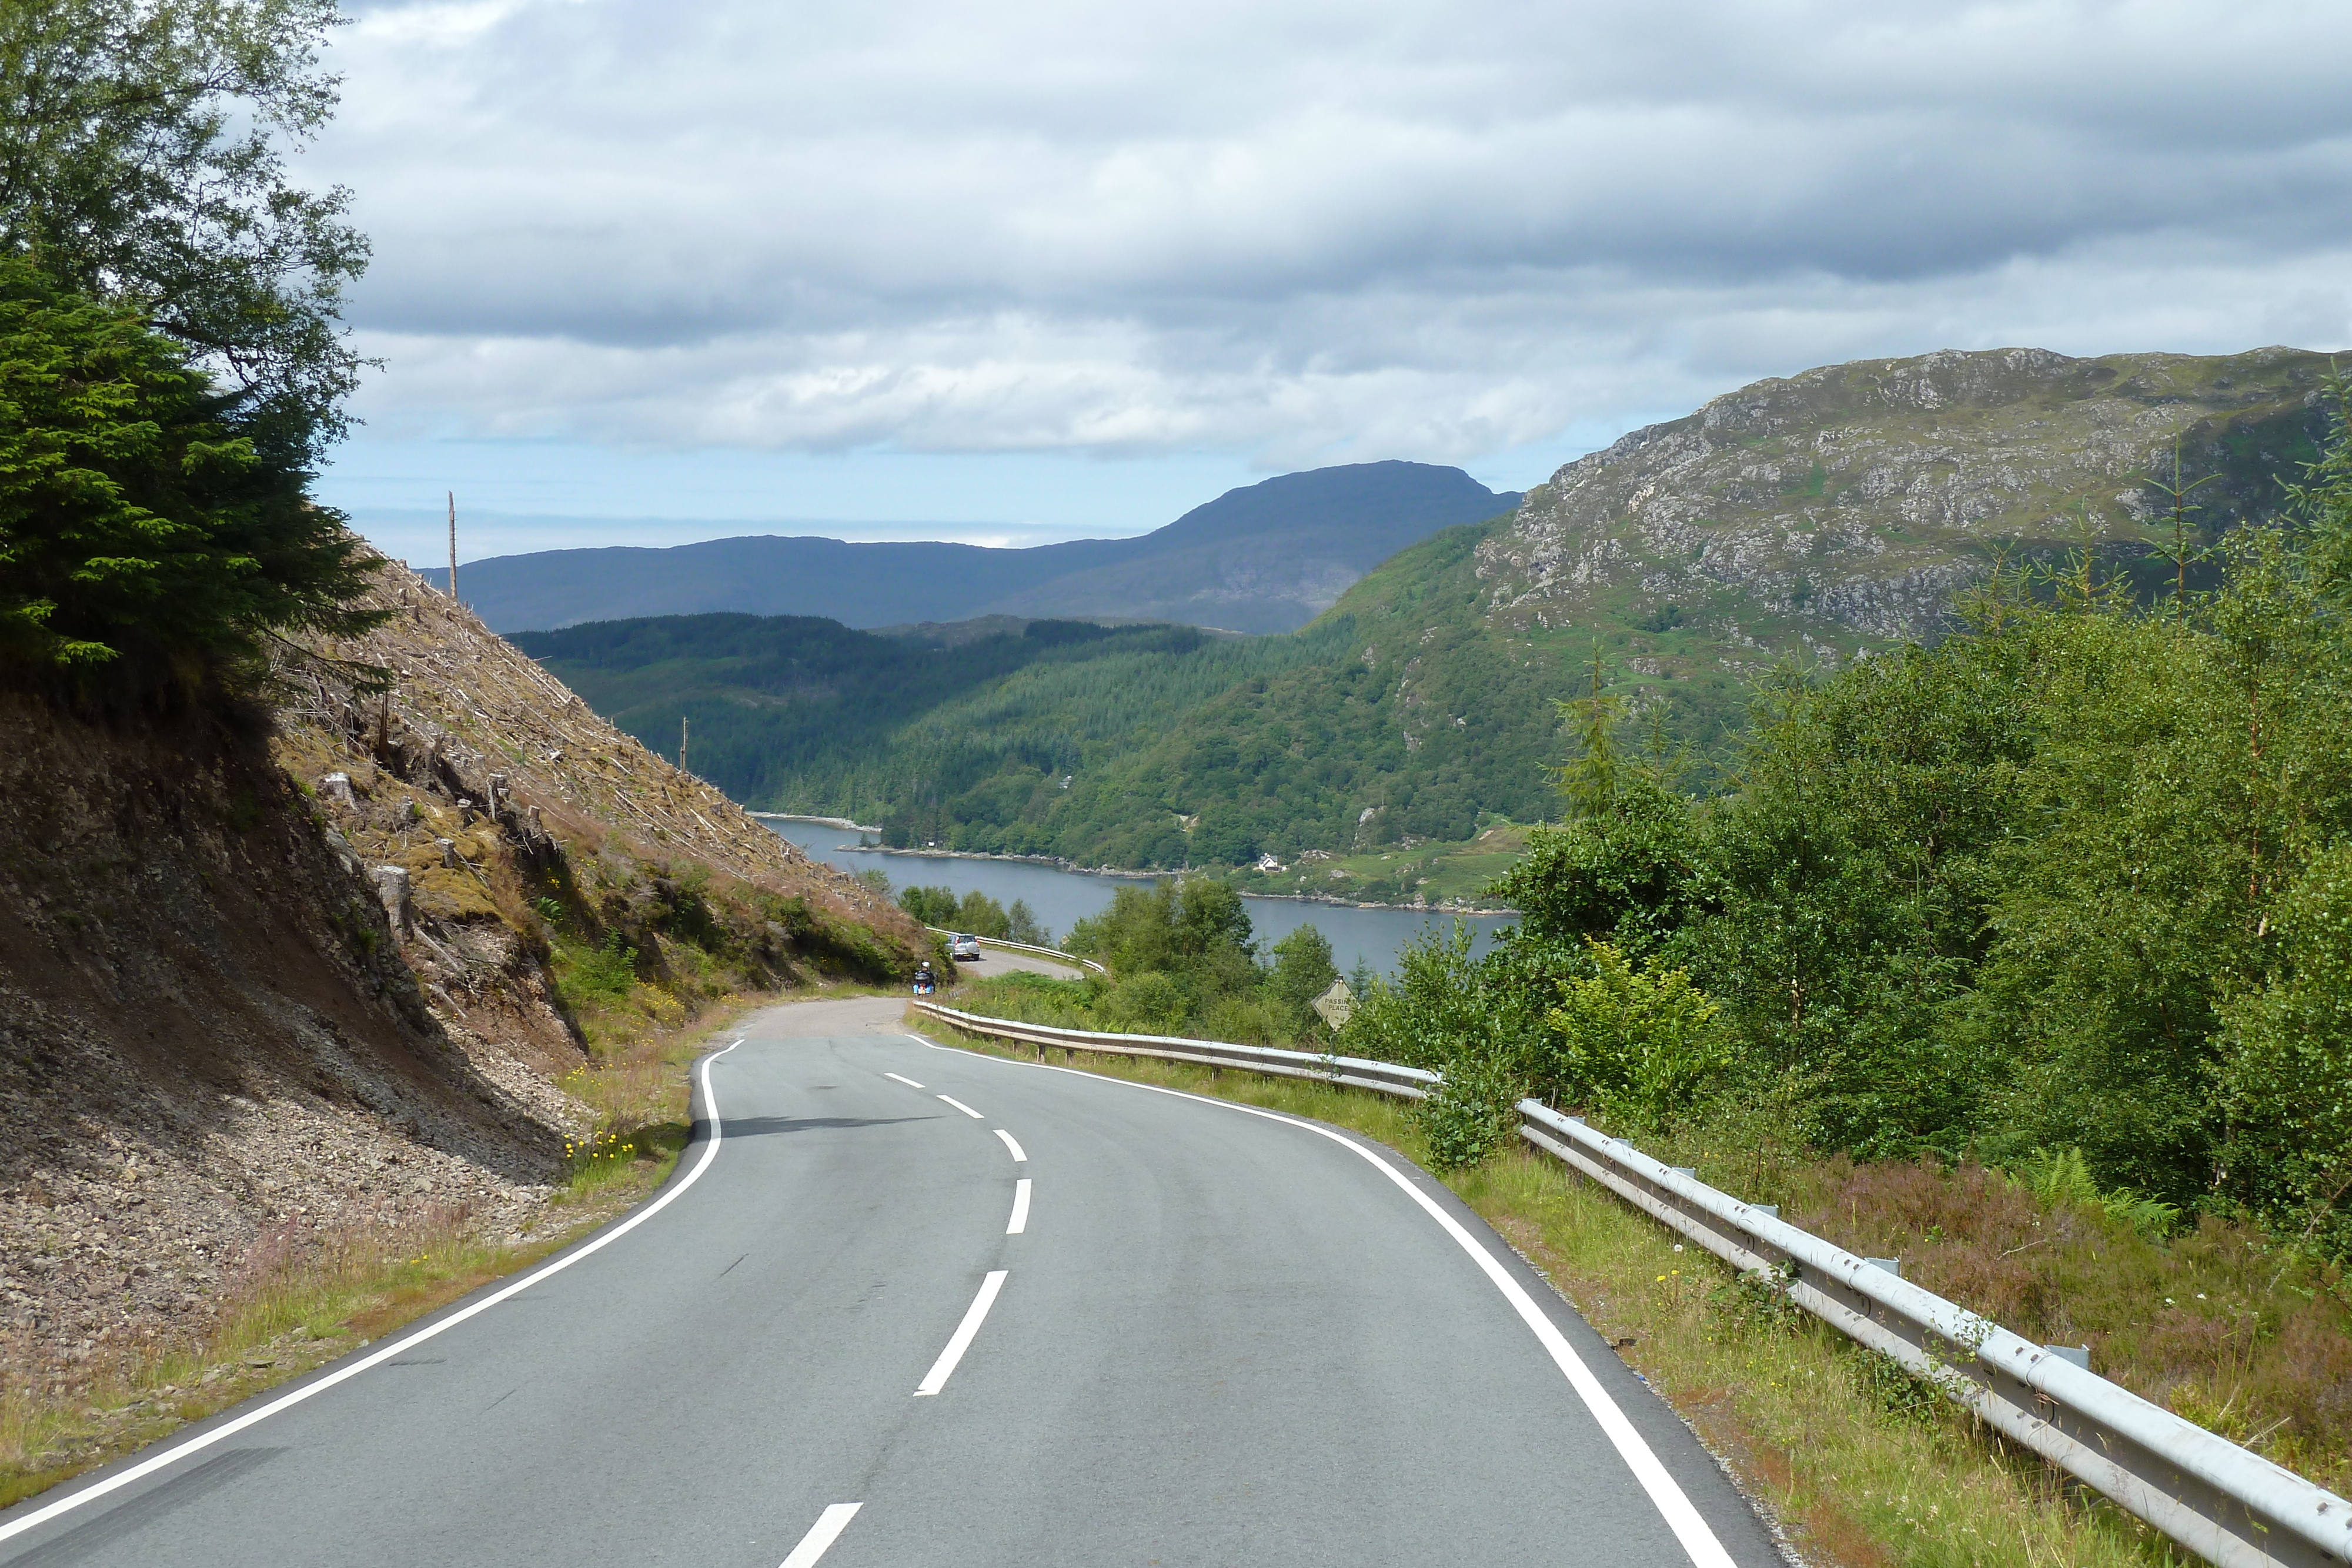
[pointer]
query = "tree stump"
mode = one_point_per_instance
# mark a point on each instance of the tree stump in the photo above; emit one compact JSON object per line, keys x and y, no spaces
{"x":391,"y":887}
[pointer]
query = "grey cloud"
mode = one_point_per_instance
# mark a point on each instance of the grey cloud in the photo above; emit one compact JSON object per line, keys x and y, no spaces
{"x":1302,"y":227}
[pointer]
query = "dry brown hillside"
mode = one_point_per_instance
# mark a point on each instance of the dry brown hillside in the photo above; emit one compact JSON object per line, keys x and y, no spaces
{"x":532,"y":834}
{"x":267,"y":976}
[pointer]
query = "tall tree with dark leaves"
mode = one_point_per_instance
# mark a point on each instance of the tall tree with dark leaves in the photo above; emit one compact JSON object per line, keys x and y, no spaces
{"x":144,"y":149}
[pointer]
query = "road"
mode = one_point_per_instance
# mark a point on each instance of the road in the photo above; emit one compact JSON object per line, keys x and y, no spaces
{"x":909,"y":1306}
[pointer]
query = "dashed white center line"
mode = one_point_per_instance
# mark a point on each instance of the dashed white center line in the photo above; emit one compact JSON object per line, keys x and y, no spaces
{"x":960,"y":1340}
{"x":1020,"y":1220}
{"x":962,"y":1107}
{"x":908,"y":1081}
{"x":823,"y":1534}
{"x":1008,"y":1144}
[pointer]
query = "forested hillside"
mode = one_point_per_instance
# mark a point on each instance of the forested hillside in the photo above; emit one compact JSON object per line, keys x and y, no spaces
{"x":1812,"y":521}
{"x":2077,"y":880}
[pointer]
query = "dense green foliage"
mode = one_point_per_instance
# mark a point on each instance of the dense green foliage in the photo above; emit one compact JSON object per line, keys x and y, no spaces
{"x":1182,"y":961}
{"x":1418,"y":710}
{"x":142,"y":149}
{"x":1401,"y":716}
{"x":142,"y":525}
{"x":2077,"y":879}
{"x":975,"y":913}
{"x":961,"y":742}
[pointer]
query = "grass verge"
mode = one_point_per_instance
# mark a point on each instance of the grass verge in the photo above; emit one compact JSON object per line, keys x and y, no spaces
{"x":1859,"y":1463}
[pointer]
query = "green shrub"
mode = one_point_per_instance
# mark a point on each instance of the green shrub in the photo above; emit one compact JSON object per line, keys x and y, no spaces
{"x":1639,"y":1045}
{"x":2062,"y":1177}
{"x":1472,"y":1112}
{"x":143,"y":529}
{"x":606,"y":973}
{"x":1149,"y":1003}
{"x":931,"y":905}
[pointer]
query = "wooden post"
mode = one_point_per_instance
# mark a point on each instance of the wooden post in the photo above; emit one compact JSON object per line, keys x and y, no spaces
{"x":681,"y":743}
{"x":453,"y":546}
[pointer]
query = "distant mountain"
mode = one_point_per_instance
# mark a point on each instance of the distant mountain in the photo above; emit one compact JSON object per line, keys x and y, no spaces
{"x":1815,"y":518}
{"x":1266,"y":558}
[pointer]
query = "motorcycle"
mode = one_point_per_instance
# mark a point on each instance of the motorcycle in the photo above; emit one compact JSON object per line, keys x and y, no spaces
{"x":925,"y":984}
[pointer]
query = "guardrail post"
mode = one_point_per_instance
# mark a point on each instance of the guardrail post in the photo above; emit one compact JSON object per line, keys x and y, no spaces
{"x":1892,"y":1265}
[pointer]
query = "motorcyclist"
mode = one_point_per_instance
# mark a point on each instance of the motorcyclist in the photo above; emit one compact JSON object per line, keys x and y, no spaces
{"x":926,"y":982}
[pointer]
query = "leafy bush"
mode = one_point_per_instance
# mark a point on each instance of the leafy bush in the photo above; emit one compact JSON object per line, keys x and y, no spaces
{"x":604,"y":973}
{"x":1443,"y":1008}
{"x":976,"y":912}
{"x":931,"y":906}
{"x":1149,"y":1003}
{"x":981,"y":915}
{"x":1471,"y":1112}
{"x":1181,"y":962}
{"x":1639,"y":1045}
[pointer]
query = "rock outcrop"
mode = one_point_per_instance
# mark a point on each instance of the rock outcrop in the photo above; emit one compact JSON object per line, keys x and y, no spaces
{"x":1842,"y":508}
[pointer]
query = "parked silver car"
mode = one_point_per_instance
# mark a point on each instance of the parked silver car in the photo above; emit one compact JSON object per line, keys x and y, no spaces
{"x":963,"y":944}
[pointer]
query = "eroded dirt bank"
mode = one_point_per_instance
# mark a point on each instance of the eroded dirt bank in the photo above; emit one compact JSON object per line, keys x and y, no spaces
{"x":269,"y":973}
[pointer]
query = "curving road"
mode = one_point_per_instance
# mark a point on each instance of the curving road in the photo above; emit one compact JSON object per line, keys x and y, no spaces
{"x":910,"y":1306}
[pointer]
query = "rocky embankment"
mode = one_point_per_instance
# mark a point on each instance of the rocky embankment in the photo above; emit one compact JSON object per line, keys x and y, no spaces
{"x":267,"y":976}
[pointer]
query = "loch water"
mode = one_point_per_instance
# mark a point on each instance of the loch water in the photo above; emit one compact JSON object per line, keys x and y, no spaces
{"x":1060,"y":898}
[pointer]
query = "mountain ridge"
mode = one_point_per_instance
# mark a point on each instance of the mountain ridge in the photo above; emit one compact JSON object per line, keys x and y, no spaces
{"x":1262,"y":558}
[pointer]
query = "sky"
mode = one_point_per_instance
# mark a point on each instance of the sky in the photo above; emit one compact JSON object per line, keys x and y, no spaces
{"x":648,"y":273}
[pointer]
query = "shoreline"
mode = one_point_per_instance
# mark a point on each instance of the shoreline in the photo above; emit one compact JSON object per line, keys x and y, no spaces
{"x":1057,"y":862}
{"x":842,"y":823}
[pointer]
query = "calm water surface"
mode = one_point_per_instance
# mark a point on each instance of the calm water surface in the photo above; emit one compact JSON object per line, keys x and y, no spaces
{"x":1062,"y":897}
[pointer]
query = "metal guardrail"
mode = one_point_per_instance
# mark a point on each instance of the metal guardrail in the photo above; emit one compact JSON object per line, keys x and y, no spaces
{"x":1070,"y":958}
{"x":2228,"y":1505}
{"x":1387,"y":1078}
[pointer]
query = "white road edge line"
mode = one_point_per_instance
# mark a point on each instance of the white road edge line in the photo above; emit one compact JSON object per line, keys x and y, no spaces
{"x":960,"y":1340}
{"x":1699,"y":1540}
{"x":823,"y":1534}
{"x":1020,"y":1220}
{"x":908,"y":1081}
{"x":400,"y":1344}
{"x":962,"y":1107}
{"x":1018,"y":1157}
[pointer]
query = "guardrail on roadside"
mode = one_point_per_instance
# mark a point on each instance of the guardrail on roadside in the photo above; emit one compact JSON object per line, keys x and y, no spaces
{"x":2229,"y":1505}
{"x":1070,"y":958}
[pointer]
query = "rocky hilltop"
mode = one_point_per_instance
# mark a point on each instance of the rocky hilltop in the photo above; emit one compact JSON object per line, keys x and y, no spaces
{"x":1842,"y":506}
{"x":272,"y":977}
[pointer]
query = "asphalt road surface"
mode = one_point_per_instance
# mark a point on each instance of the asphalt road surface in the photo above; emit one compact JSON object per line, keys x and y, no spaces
{"x":910,"y":1306}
